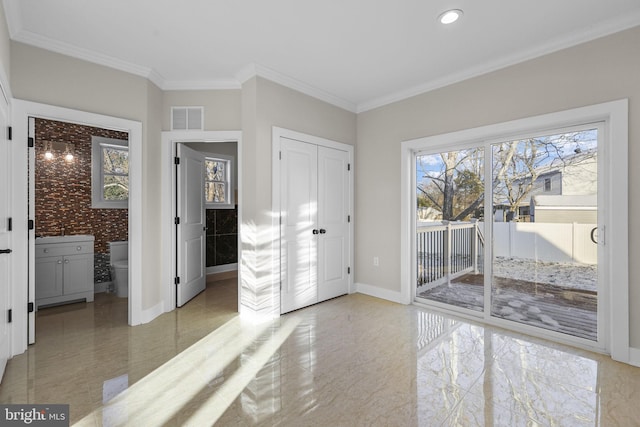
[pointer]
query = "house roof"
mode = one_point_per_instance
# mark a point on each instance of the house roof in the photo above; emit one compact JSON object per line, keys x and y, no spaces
{"x":355,"y":54}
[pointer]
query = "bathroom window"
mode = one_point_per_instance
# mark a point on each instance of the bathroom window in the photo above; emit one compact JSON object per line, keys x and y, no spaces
{"x":110,"y":173}
{"x":218,"y":182}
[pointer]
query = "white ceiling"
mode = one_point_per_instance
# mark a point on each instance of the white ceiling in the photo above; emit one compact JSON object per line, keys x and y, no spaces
{"x":357,"y":54}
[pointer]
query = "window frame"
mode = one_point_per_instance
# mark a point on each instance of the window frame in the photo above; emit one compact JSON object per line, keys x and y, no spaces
{"x":98,"y":175}
{"x":228,"y":181}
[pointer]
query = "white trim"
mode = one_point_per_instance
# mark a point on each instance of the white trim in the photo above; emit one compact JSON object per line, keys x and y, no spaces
{"x":222,"y":84}
{"x":592,"y":32}
{"x":167,"y":212}
{"x":276,"y":134}
{"x":151,"y":313}
{"x":222,"y":268}
{"x":229,"y":181}
{"x":615,"y":116}
{"x":23,"y":280}
{"x":386,"y":294}
{"x":634,"y":356}
{"x":97,"y":172}
{"x":253,"y":70}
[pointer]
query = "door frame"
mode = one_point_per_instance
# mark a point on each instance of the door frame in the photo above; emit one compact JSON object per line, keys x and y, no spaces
{"x":615,"y":117}
{"x":276,"y":134}
{"x":24,"y":248}
{"x":170,"y":140}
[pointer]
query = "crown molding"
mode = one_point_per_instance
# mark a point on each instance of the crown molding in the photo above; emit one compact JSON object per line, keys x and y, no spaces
{"x":13,"y":17}
{"x":252,"y":70}
{"x":604,"y":29}
{"x":201,"y":85}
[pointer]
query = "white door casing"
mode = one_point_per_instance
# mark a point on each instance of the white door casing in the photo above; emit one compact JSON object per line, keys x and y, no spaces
{"x":314,"y":213}
{"x":5,"y":236}
{"x":192,"y":225}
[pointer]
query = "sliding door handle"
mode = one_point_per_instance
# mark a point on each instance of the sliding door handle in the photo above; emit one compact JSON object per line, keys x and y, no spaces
{"x":5,"y":251}
{"x":323,"y":231}
{"x":315,"y":231}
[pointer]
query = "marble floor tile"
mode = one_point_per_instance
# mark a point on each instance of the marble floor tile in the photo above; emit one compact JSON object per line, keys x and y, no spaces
{"x":351,"y":361}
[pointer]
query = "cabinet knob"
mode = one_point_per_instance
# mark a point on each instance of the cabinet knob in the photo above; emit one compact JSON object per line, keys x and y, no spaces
{"x":66,"y":261}
{"x":59,"y":261}
{"x":46,"y":251}
{"x":78,"y":248}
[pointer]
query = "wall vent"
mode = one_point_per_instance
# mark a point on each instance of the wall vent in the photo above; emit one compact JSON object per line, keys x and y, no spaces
{"x":187,"y":118}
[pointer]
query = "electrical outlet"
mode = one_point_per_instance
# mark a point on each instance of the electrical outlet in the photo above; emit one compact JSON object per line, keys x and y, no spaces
{"x":376,"y":261}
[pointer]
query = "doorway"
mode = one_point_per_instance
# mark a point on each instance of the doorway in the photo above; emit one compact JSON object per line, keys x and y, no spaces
{"x":498,"y":142}
{"x":203,"y":142}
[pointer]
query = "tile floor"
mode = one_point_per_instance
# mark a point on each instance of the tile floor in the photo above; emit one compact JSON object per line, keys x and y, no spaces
{"x":351,"y":361}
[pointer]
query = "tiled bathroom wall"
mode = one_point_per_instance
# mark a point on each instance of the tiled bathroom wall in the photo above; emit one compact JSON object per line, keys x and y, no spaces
{"x":63,"y":191}
{"x":222,"y":236}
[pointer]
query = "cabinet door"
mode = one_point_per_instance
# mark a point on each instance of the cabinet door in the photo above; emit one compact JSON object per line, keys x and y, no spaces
{"x":78,"y":274}
{"x":49,"y":277}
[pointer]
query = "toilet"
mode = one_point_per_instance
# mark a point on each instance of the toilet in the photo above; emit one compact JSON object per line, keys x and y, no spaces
{"x":119,"y":265}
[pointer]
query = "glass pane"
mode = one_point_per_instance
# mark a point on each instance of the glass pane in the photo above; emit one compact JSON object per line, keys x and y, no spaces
{"x":215,"y":192}
{"x":544,"y":231}
{"x":214,"y":170}
{"x":116,"y":187}
{"x":115,"y":161}
{"x":450,"y":228}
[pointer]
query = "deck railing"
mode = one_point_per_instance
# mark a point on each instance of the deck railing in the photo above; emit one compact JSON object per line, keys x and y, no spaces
{"x":447,"y":250}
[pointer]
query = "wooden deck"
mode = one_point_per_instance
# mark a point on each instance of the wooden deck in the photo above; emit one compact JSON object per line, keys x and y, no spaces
{"x":565,"y":310}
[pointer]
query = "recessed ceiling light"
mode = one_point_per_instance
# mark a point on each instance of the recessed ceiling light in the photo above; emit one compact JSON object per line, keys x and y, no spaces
{"x":450,"y":16}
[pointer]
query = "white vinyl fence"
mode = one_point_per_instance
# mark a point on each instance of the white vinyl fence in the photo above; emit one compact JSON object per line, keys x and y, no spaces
{"x":545,"y":242}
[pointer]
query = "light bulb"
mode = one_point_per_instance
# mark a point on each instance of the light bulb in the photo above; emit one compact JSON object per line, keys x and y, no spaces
{"x":48,"y":155}
{"x":450,"y":16}
{"x":68,"y":157}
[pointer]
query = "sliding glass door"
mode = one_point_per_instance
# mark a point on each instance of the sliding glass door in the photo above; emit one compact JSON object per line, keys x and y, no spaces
{"x":508,"y":230}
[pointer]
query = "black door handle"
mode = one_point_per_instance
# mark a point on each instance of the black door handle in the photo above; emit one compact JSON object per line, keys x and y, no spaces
{"x":5,"y":251}
{"x":315,"y":231}
{"x":322,"y":231}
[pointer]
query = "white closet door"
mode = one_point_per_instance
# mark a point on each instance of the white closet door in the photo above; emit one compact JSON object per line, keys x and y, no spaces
{"x":298,"y":244}
{"x":333,"y":212}
{"x":314,"y":194}
{"x":5,"y":241}
{"x":192,"y":227}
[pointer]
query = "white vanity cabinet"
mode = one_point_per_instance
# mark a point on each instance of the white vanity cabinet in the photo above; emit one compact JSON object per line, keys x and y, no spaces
{"x":64,"y":269}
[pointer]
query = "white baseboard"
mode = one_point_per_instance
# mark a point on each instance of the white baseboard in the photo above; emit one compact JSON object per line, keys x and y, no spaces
{"x":222,"y":268}
{"x":634,"y":356}
{"x":151,"y":313}
{"x":374,"y":291}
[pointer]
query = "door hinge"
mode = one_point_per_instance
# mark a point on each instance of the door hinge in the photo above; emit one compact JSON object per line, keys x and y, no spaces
{"x":30,"y":307}
{"x":280,"y":155}
{"x":9,"y":224}
{"x":176,"y":160}
{"x":348,"y":270}
{"x":9,"y":133}
{"x":30,"y":142}
{"x":348,"y":166}
{"x":176,"y":220}
{"x":9,"y":316}
{"x":30,"y":225}
{"x":176,"y":281}
{"x":348,"y":218}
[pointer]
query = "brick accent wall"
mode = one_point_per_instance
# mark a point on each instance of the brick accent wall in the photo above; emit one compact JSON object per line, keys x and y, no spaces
{"x":63,"y":191}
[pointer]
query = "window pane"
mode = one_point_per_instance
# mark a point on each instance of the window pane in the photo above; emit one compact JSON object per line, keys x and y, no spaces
{"x":116,"y":187}
{"x":115,"y":161}
{"x":215,"y":192}
{"x":214,"y":170}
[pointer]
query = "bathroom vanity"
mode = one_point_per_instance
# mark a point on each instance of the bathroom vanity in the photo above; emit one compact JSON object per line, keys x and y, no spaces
{"x":64,"y":269}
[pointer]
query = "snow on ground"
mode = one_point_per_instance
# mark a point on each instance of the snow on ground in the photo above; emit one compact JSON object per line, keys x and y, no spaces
{"x":566,"y":275}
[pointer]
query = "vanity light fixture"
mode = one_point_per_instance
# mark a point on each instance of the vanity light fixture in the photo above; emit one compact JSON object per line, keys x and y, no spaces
{"x":450,"y":16}
{"x":68,"y":152}
{"x":48,"y":154}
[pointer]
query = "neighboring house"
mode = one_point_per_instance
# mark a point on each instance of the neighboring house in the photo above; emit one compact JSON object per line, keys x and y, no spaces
{"x":564,"y":209}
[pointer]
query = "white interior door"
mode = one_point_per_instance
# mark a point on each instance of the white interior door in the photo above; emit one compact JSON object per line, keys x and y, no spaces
{"x":314,"y":211}
{"x":333,"y":223}
{"x":299,"y":243}
{"x":5,"y":241}
{"x":191,"y":229}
